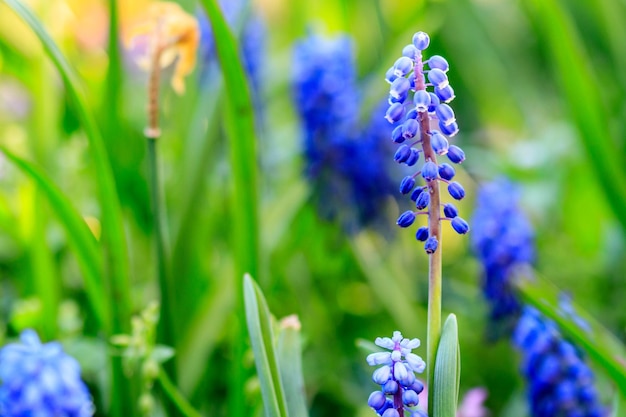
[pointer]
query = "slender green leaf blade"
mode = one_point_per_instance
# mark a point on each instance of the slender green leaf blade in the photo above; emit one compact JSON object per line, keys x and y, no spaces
{"x":580,"y":87}
{"x":262,"y":339}
{"x":79,"y":236}
{"x":447,"y":370}
{"x":290,"y":361}
{"x":599,"y":343}
{"x":113,"y":234}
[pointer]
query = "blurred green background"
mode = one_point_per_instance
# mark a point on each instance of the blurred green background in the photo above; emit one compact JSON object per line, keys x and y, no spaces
{"x":540,"y":89}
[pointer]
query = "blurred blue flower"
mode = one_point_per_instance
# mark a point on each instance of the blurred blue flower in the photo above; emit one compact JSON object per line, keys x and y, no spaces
{"x":559,"y":381}
{"x":503,"y":239}
{"x":41,"y":380}
{"x":411,"y":110}
{"x":344,"y":163}
{"x":396,"y":376}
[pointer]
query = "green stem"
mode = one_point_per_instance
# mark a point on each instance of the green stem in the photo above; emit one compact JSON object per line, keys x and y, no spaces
{"x":434,"y":259}
{"x":176,"y":397}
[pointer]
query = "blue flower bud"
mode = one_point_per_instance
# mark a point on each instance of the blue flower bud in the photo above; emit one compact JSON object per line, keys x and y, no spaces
{"x":410,"y":51}
{"x":456,"y":154}
{"x":413,"y":158}
{"x":423,"y":200}
{"x":446,"y":171}
{"x":390,"y":75}
{"x":422,"y":234}
{"x":439,"y":143}
{"x":407,"y":184}
{"x":391,"y":99}
{"x":438,"y":78}
{"x":402,"y":154}
{"x":450,"y":210}
{"x":450,"y":130}
{"x":437,"y":61}
{"x":421,"y":40}
{"x":399,"y":88}
{"x":378,"y":358}
{"x":445,"y":114}
{"x":460,"y":225}
{"x":445,"y":94}
{"x":394,"y":113}
{"x":376,"y":400}
{"x":429,"y":171}
{"x":410,"y":128}
{"x":456,"y":190}
{"x":406,"y":219}
{"x":402,"y":66}
{"x":396,"y":135}
{"x":416,"y":193}
{"x":421,"y":100}
{"x":391,"y":412}
{"x":382,"y":375}
{"x":399,"y":371}
{"x":417,"y":386}
{"x":431,"y":245}
{"x":434,"y":102}
{"x":415,"y":362}
{"x":412,"y":114}
{"x":391,"y":387}
{"x":410,"y":398}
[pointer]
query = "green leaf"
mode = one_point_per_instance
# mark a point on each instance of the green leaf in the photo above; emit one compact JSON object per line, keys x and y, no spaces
{"x":112,"y":229}
{"x":79,"y":236}
{"x":603,"y":347}
{"x":581,"y":86}
{"x":290,"y":361}
{"x":262,"y":339}
{"x":447,"y":370}
{"x":242,"y":143}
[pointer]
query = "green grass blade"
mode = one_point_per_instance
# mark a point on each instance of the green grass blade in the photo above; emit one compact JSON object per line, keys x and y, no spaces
{"x":580,"y":87}
{"x":447,"y":370}
{"x":239,"y":117}
{"x":242,"y":143}
{"x":262,"y":339}
{"x":112,"y":229}
{"x":604,"y":348}
{"x":290,"y":360}
{"x":79,"y":236}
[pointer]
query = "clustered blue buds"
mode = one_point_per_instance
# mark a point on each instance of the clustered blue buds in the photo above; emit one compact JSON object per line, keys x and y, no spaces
{"x":411,"y":109}
{"x":344,"y":163}
{"x":559,"y":381}
{"x":396,"y":377}
{"x":503,"y":240}
{"x":41,"y":380}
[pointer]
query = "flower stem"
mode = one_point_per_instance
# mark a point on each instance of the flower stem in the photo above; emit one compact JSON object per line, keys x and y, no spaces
{"x":434,"y":259}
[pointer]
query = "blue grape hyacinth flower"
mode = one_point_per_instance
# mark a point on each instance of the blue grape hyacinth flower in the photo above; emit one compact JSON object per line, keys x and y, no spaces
{"x":559,"y":381}
{"x":503,"y":240}
{"x":424,"y":122}
{"x":41,"y":380}
{"x":344,"y":162}
{"x":396,"y":376}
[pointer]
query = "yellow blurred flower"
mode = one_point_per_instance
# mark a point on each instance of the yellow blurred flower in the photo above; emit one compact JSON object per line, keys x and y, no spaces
{"x":167,"y":33}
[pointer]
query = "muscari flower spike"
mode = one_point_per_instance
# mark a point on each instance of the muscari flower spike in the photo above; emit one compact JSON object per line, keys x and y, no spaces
{"x":339,"y":155}
{"x":503,"y":240}
{"x":413,"y":109}
{"x":396,"y":376}
{"x":559,"y":381}
{"x":41,"y":380}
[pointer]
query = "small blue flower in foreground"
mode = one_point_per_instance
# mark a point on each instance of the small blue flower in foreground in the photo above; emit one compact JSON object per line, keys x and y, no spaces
{"x":41,"y":380}
{"x":396,"y":377}
{"x":559,"y":381}
{"x":412,"y":108}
